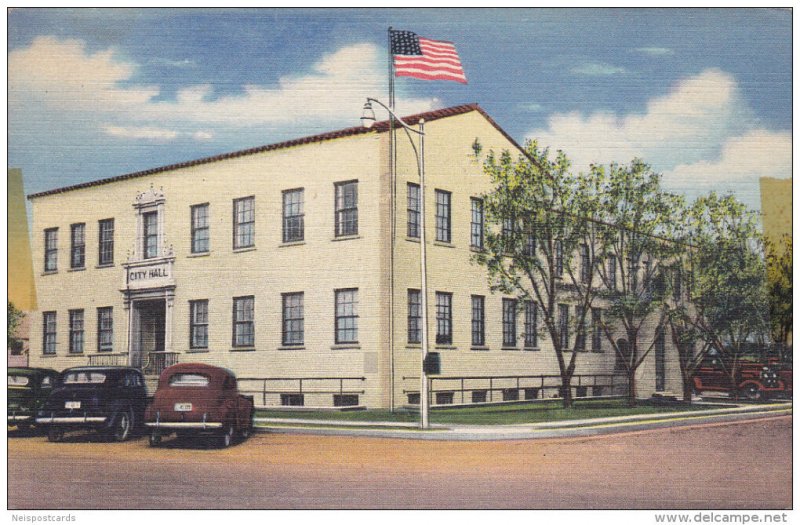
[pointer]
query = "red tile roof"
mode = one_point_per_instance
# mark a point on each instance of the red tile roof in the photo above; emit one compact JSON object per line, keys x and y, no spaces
{"x":379,"y":127}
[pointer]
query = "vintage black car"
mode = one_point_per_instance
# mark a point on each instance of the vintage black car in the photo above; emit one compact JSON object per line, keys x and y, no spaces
{"x":110,"y":400}
{"x":28,"y":389}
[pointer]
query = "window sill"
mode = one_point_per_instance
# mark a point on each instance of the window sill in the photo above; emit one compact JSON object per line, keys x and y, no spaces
{"x":598,"y":351}
{"x":292,"y":243}
{"x":346,"y":237}
{"x":446,"y":347}
{"x":245,"y":349}
{"x":244,"y":249}
{"x":81,"y":269}
{"x":414,"y":346}
{"x":107,"y":265}
{"x":531,"y":348}
{"x":198,"y":351}
{"x":346,"y":346}
{"x":50,"y":272}
{"x":510,"y":348}
{"x":477,"y":249}
{"x":76,"y":355}
{"x":199,"y":254}
{"x":291,"y":347}
{"x":444,"y":244}
{"x":412,"y":239}
{"x":48,"y":356}
{"x":480,"y":348}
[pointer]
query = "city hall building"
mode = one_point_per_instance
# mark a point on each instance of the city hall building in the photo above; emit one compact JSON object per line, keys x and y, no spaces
{"x":282,"y":264}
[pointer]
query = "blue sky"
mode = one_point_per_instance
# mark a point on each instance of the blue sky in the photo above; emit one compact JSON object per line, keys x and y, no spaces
{"x":703,"y":95}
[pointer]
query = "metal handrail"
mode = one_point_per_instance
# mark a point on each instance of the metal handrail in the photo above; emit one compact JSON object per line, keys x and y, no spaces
{"x":108,"y":359}
{"x":158,"y":361}
{"x":263,"y":391}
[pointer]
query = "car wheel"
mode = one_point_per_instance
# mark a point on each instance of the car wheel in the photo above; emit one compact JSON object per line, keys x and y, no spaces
{"x":751,"y":392}
{"x":155,"y":438}
{"x":122,"y":426}
{"x":55,"y":435}
{"x":245,"y":431}
{"x":227,"y":436}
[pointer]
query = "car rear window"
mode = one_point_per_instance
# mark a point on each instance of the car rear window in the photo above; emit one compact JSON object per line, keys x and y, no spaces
{"x":84,"y":378}
{"x":17,"y":380}
{"x":195,"y":380}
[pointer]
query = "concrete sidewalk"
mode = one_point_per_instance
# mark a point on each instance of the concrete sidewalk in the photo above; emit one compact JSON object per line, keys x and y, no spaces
{"x":550,"y":429}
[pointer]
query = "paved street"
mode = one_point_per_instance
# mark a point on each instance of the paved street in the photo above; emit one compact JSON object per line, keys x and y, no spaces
{"x":728,"y":465}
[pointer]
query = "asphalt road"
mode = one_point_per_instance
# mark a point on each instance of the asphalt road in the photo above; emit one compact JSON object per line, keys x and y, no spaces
{"x":731,"y":465}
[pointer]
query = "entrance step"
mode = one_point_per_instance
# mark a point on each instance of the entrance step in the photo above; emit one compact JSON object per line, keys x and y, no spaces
{"x":151,"y":384}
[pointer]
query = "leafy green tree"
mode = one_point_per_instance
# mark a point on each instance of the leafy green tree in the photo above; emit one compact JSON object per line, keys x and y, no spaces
{"x":779,"y":279}
{"x":15,"y":316}
{"x":539,"y":246}
{"x":637,"y":254}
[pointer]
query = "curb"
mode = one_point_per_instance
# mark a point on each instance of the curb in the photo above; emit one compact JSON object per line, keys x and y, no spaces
{"x":574,"y":428}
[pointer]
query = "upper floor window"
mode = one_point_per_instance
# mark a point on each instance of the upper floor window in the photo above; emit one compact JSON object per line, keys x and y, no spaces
{"x":293,"y":216}
{"x":531,"y":327}
{"x":478,"y":321}
{"x":198,"y":323}
{"x":509,"y":322}
{"x":346,"y":208}
{"x":75,"y":331}
{"x":612,"y":272}
{"x":586,"y":266}
{"x":293,"y":319}
{"x":51,"y":249}
{"x":77,"y":246}
{"x":244,"y":222}
{"x":200,"y":229}
{"x":414,"y":316}
{"x":580,"y":329}
{"x":150,"y":234}
{"x":530,"y":241}
{"x":444,"y":318}
{"x":563,"y":326}
{"x":443,"y":216}
{"x":105,"y":329}
{"x":597,"y":330}
{"x":347,"y":316}
{"x":48,"y":333}
{"x":476,"y":225}
{"x":106,"y":242}
{"x":243,"y":321}
{"x":559,"y":258}
{"x":413,"y":210}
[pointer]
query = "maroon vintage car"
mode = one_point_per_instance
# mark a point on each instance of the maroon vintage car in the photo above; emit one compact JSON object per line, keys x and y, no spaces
{"x":752,"y":379}
{"x":199,"y":399}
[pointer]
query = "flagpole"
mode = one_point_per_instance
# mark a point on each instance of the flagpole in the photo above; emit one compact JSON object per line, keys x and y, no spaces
{"x":393,"y":216}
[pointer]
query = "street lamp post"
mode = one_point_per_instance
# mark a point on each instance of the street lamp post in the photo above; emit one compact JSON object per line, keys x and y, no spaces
{"x":367,"y":120}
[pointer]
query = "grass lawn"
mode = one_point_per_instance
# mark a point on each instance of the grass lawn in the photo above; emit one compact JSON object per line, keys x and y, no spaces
{"x":494,"y":415}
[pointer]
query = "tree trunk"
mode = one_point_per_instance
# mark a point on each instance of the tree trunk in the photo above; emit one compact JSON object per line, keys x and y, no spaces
{"x":687,"y":387}
{"x":632,"y":388}
{"x":566,"y":391}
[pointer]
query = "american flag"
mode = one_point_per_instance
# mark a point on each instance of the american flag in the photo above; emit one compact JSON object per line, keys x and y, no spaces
{"x":425,"y":59}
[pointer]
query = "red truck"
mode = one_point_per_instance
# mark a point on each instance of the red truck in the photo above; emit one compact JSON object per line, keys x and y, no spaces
{"x":752,"y":379}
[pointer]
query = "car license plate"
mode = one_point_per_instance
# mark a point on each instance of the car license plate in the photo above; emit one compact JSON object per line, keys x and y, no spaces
{"x":183,"y":407}
{"x":72,"y":404}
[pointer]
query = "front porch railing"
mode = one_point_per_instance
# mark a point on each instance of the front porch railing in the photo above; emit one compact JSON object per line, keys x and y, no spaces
{"x":120,"y":359}
{"x":158,"y":361}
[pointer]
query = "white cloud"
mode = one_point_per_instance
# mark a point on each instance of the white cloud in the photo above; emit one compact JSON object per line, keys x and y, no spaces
{"x":593,"y":69}
{"x":655,"y":51}
{"x":64,"y":77}
{"x":148,"y":133}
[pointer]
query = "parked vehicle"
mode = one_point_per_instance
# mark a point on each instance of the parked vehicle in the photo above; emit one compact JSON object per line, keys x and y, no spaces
{"x":199,"y":399}
{"x":752,"y":379}
{"x":110,"y":400}
{"x":28,"y":389}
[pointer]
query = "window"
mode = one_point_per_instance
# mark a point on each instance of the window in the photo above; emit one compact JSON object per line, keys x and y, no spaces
{"x":198,"y":323}
{"x":150,"y":238}
{"x":597,"y":330}
{"x":293,"y":320}
{"x":612,"y":272}
{"x":414,"y":316}
{"x":648,"y":277}
{"x":676,"y":285}
{"x":531,"y":328}
{"x":77,"y":246}
{"x":413,"y":399}
{"x":563,"y":326}
{"x":530,"y":242}
{"x":200,"y":229}
{"x":509,"y":322}
{"x":413,"y":209}
{"x":633,"y":267}
{"x":444,"y":398}
{"x":346,"y":208}
{"x":49,"y":333}
{"x":476,"y":226}
{"x":559,"y":258}
{"x":75,"y":331}
{"x":507,"y":232}
{"x":510,"y":394}
{"x":580,"y":330}
{"x":189,"y":380}
{"x":444,"y":318}
{"x":293,"y":216}
{"x":479,"y":396}
{"x":531,"y":393}
{"x":51,"y":249}
{"x":105,"y":329}
{"x":243,"y":321}
{"x":586,"y":266}
{"x":478,"y":321}
{"x":345,"y":400}
{"x":347,"y":316}
{"x":293,"y":400}
{"x":106,"y":243}
{"x":244,"y":222}
{"x":581,"y":391}
{"x":443,"y":216}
